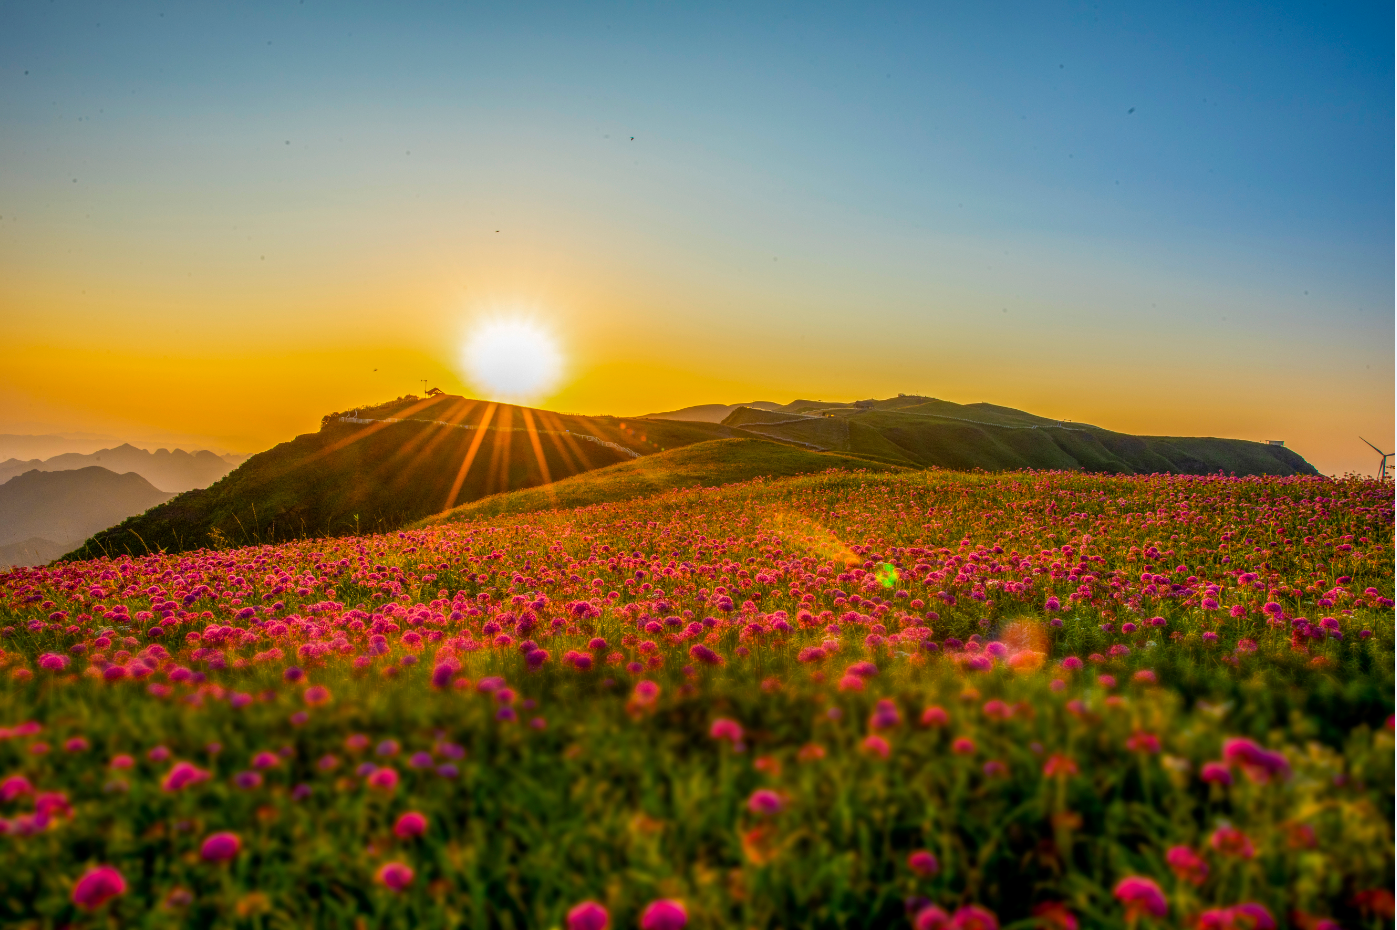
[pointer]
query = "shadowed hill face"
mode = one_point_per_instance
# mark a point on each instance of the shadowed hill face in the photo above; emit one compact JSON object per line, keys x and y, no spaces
{"x":377,"y":468}
{"x":64,"y":507}
{"x":706,"y":464}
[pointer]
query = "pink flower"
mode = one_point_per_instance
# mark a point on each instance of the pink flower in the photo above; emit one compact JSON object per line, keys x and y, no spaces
{"x":98,"y":886}
{"x":974,"y":917}
{"x":384,"y":779}
{"x":1252,"y":916}
{"x":589,"y":915}
{"x":935,"y":716}
{"x":1141,"y":897}
{"x":1059,"y":766}
{"x":220,"y":847}
{"x":923,"y":863}
{"x":182,"y":775}
{"x":409,"y":825}
{"x":1187,"y":865}
{"x":1230,"y":841}
{"x":765,"y":802}
{"x":877,"y":746}
{"x":396,"y":876}
{"x":1216,"y":773}
{"x":664,"y":915}
{"x":932,"y":917}
{"x":1259,"y":765}
{"x":1142,"y":742}
{"x":14,"y":786}
{"x":963,"y":746}
{"x":723,"y":728}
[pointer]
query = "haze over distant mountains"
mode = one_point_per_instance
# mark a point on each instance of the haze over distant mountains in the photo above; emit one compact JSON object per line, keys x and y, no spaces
{"x":169,"y":471}
{"x":47,"y":506}
{"x":43,"y":514}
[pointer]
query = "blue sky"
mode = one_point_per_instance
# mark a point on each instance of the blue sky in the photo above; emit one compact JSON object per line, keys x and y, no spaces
{"x":1216,"y":184}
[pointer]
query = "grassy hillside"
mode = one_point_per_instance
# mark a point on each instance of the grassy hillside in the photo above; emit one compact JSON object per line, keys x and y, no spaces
{"x":362,"y":473}
{"x":707,"y":464}
{"x":919,"y":431}
{"x":384,"y":466}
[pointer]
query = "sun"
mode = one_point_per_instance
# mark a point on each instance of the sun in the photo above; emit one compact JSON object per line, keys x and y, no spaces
{"x":511,"y":359}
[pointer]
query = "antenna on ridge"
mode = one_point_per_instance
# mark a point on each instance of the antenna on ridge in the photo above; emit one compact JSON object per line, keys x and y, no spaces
{"x":1382,"y":470}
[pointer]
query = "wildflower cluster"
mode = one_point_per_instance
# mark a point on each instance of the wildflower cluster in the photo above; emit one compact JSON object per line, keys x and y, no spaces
{"x":845,"y":699}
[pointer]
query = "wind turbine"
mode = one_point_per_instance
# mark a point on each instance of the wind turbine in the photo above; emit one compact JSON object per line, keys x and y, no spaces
{"x":1382,"y":471}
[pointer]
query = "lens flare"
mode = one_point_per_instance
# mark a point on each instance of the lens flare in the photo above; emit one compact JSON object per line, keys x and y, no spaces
{"x":511,"y":359}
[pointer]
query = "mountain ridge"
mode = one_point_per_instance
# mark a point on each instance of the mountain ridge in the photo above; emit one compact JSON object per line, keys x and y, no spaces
{"x":168,"y":470}
{"x":383,"y":466}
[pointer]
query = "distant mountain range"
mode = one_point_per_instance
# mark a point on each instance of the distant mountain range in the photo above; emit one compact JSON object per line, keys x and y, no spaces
{"x":43,"y":514}
{"x":169,"y":471}
{"x":380,"y":468}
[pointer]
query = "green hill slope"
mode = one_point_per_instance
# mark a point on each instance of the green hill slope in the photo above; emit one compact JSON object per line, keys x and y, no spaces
{"x":706,"y":464}
{"x":925,"y":432}
{"x":377,"y":468}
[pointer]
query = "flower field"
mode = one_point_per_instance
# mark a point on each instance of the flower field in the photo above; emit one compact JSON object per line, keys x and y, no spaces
{"x":922,"y":699}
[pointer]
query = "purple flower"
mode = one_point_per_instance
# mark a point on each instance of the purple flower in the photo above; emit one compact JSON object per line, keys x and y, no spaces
{"x":248,"y":780}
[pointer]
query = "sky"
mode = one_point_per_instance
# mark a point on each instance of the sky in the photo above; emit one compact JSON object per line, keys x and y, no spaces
{"x":219,"y":222}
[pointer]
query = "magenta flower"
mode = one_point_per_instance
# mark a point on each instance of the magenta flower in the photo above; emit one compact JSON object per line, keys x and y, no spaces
{"x":589,"y":915}
{"x":395,"y":876}
{"x":1216,"y":773}
{"x":664,"y":914}
{"x":923,"y":863}
{"x":723,"y":728}
{"x":14,"y":786}
{"x":1252,"y":916}
{"x":974,"y":917}
{"x":384,"y":779}
{"x":1141,"y":897}
{"x":410,"y":825}
{"x":1258,"y":764}
{"x":248,"y":780}
{"x":264,"y":760}
{"x":182,"y":775}
{"x":98,"y":886}
{"x":220,"y":847}
{"x":1230,"y":841}
{"x":765,"y":802}
{"x":932,"y":917}
{"x":1071,"y":663}
{"x":935,"y":716}
{"x":1187,"y":865}
{"x":877,"y":746}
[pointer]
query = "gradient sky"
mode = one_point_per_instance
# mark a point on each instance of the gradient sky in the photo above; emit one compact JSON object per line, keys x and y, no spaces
{"x":217,"y":220}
